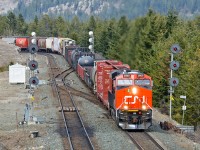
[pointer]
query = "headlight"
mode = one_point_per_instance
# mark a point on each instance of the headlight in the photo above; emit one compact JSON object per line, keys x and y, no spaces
{"x":144,"y":106}
{"x":134,"y":90}
{"x":125,"y":107}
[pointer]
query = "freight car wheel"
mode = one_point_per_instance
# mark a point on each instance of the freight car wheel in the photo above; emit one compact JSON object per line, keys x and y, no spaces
{"x":112,"y":112}
{"x":117,"y":119}
{"x":109,"y":110}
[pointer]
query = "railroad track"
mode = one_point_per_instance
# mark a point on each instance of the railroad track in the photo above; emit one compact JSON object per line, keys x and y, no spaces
{"x":76,"y":133}
{"x":63,"y":74}
{"x":76,"y":92}
{"x":77,"y":136}
{"x":144,"y":141}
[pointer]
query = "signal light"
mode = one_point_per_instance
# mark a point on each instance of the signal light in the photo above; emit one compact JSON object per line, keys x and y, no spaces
{"x":33,"y":65}
{"x":33,"y":48}
{"x":33,"y":81}
{"x":174,"y":81}
{"x":91,"y":40}
{"x":175,"y":49}
{"x":174,"y":65}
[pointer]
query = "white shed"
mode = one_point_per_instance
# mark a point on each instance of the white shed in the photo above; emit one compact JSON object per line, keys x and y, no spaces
{"x":17,"y":74}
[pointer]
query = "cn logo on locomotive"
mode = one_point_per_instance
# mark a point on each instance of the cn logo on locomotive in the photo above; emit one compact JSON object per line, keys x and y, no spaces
{"x":135,"y":98}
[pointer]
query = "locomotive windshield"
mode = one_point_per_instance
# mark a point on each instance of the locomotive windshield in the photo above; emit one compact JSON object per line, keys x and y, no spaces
{"x":124,"y":83}
{"x":143,"y":82}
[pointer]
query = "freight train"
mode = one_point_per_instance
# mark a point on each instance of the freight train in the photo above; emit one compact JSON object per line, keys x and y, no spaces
{"x":45,"y":44}
{"x":126,"y":93}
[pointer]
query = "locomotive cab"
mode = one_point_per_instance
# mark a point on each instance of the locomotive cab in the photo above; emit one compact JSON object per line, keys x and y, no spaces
{"x":130,"y":100}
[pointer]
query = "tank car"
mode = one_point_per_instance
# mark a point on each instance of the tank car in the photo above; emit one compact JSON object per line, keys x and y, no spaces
{"x":84,"y":69}
{"x":22,"y":43}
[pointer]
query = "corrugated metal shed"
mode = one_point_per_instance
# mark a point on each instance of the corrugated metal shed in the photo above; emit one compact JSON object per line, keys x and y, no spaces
{"x":17,"y":74}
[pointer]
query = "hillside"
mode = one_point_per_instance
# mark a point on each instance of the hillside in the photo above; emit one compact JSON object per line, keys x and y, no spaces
{"x":7,"y":5}
{"x":102,"y":8}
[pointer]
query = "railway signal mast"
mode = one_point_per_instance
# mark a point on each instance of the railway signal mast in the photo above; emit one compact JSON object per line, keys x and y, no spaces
{"x":33,"y":80}
{"x":174,"y":65}
{"x":91,"y":40}
{"x":33,"y":65}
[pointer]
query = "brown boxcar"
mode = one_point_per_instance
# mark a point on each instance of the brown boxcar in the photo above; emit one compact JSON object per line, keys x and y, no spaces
{"x":41,"y":44}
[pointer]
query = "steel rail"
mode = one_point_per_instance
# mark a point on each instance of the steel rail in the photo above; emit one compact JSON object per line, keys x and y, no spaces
{"x":134,"y":141}
{"x":63,"y":115}
{"x":154,"y":141}
{"x":62,"y":111}
{"x":140,"y":146}
{"x":77,"y":111}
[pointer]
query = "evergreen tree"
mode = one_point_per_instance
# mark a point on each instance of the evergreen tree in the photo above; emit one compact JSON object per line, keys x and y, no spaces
{"x":3,"y":25}
{"x":123,"y":25}
{"x":21,"y":27}
{"x":45,"y":26}
{"x":172,"y":19}
{"x":11,"y":21}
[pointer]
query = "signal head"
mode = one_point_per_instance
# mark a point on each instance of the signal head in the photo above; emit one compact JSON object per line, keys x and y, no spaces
{"x":175,"y":48}
{"x":174,"y":65}
{"x":33,"y":65}
{"x":91,"y":33}
{"x":33,"y":48}
{"x":174,"y":81}
{"x":33,"y":34}
{"x":33,"y":81}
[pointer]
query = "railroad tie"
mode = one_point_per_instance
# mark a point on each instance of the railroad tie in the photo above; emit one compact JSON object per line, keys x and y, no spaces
{"x":67,"y":109}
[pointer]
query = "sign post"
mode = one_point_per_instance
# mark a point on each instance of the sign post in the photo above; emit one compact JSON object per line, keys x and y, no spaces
{"x":183,"y":107}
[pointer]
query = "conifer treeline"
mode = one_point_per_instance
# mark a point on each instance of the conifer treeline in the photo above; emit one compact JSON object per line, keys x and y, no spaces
{"x":143,"y":43}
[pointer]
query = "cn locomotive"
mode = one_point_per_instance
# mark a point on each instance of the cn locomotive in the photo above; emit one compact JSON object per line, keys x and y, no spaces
{"x":126,"y":93}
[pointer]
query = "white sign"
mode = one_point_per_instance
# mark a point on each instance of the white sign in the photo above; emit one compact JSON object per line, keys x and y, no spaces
{"x":183,"y":96}
{"x":183,"y":107}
